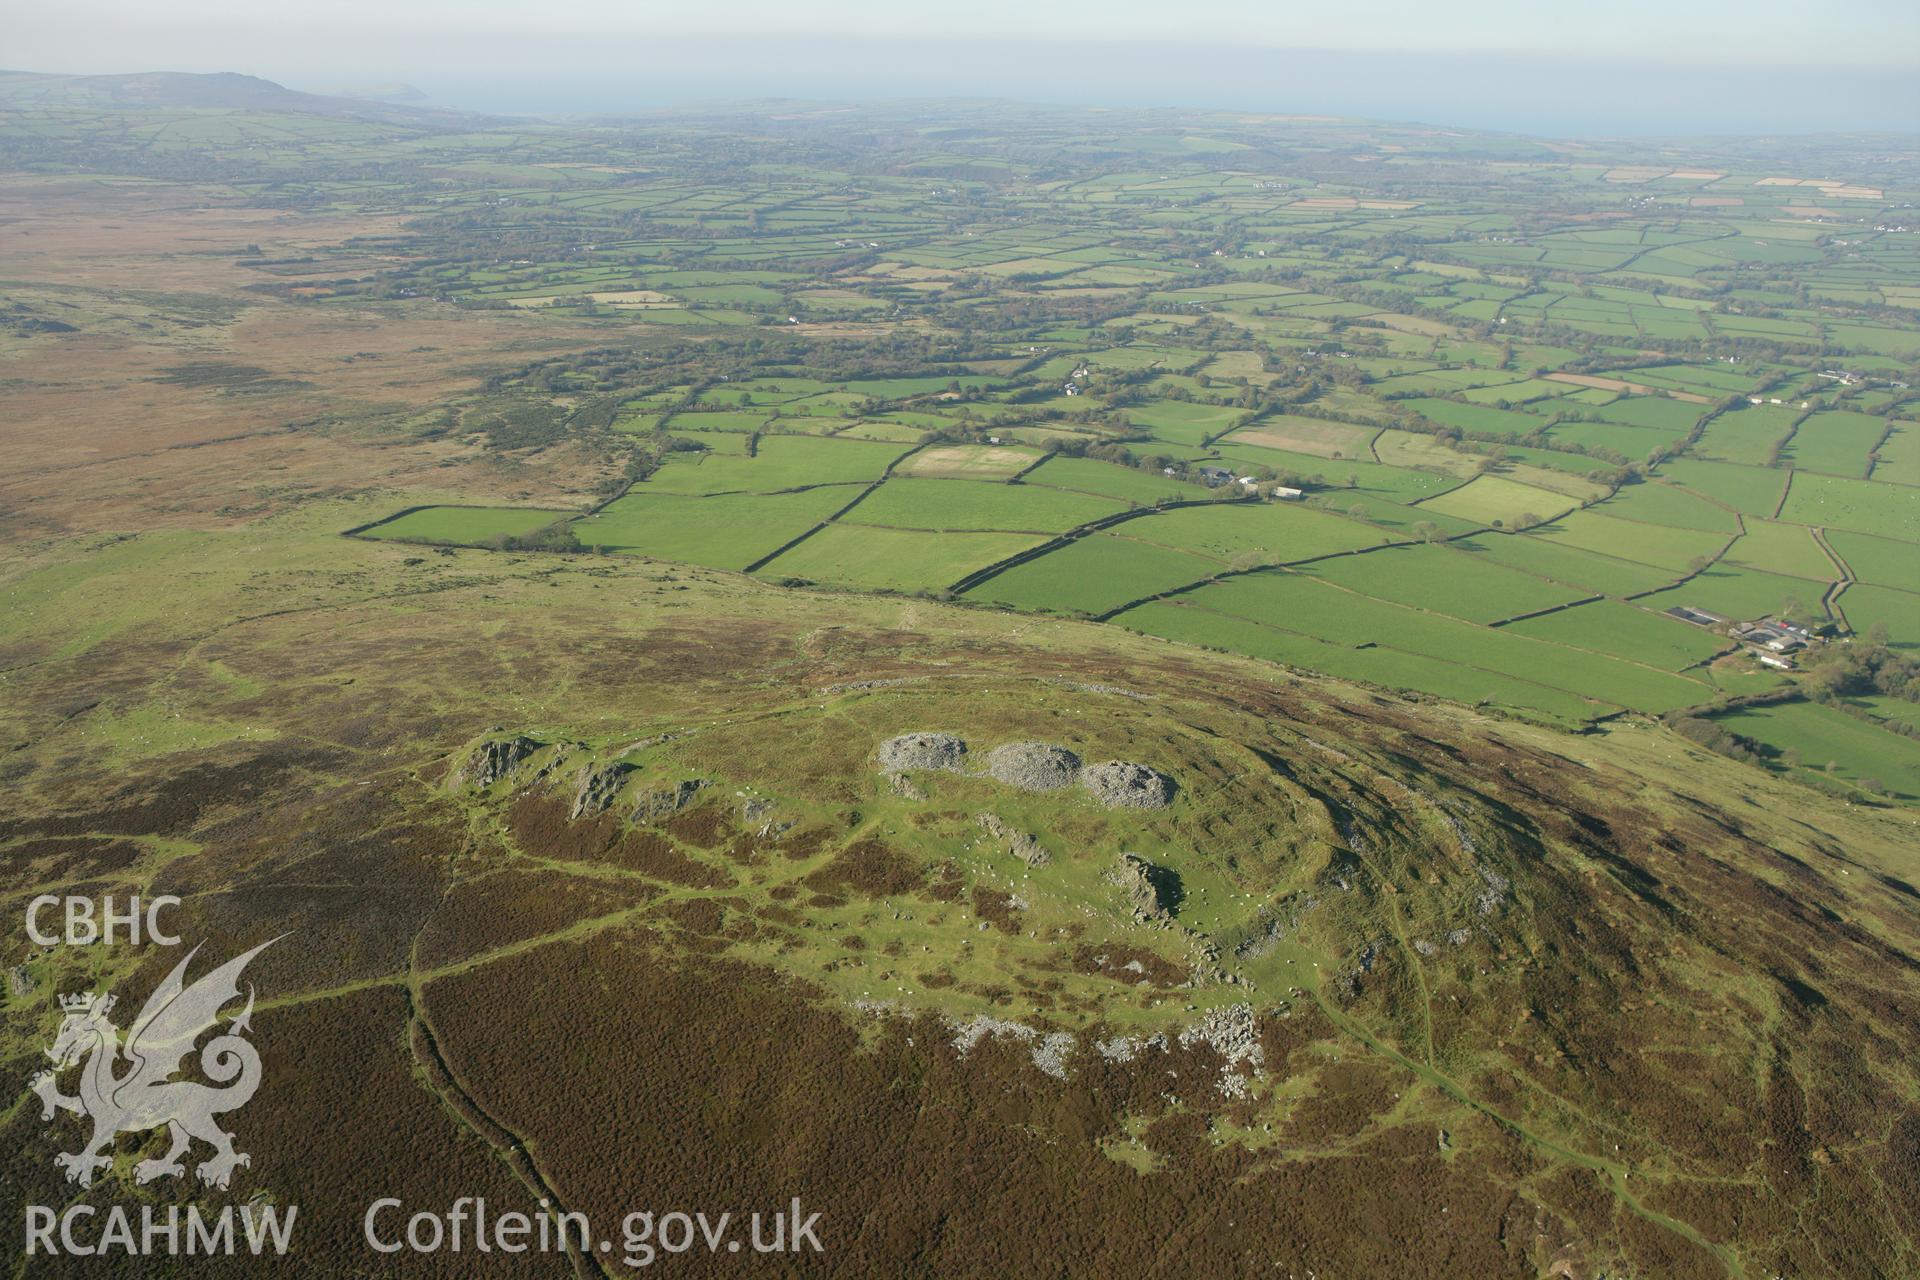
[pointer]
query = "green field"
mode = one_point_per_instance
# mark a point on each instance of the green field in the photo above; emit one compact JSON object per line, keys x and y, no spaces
{"x":1244,"y":533}
{"x":1625,"y":631}
{"x":1863,"y":506}
{"x":465,"y":526}
{"x":1823,"y":736}
{"x":1085,"y":475}
{"x":1879,"y":560}
{"x":1094,"y":574}
{"x":1747,"y":434}
{"x":1665,"y":504}
{"x":1754,"y":491}
{"x":1837,"y":443}
{"x":894,"y":559}
{"x":1387,"y":667}
{"x":1443,"y":580}
{"x":974,"y":504}
{"x":1741,"y":594}
{"x":781,"y":462}
{"x":1662,"y":547}
{"x":1545,"y":558}
{"x":1782,"y":549}
{"x":1498,"y":501}
{"x":726,"y":532}
{"x":1292,"y":602}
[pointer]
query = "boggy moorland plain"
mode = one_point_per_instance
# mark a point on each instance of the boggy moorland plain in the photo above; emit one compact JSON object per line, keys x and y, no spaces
{"x":1088,"y":692}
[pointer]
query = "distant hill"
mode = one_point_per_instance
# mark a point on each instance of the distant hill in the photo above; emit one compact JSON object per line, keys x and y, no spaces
{"x":221,"y":90}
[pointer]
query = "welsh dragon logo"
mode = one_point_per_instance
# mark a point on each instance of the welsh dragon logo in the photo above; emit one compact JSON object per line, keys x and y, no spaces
{"x":127,"y":1088}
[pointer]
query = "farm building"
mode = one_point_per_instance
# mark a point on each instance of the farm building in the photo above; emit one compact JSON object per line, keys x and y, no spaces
{"x":1778,"y":637}
{"x":1698,"y":617}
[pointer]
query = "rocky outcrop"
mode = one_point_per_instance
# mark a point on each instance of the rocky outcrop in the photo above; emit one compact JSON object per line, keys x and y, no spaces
{"x":1033,"y":766}
{"x":1148,"y":889}
{"x":1230,"y":1031}
{"x":1049,"y":1053}
{"x":664,"y":802}
{"x":493,"y":760}
{"x":1118,"y":784}
{"x":912,"y":751}
{"x":1014,"y":841}
{"x":597,"y":789}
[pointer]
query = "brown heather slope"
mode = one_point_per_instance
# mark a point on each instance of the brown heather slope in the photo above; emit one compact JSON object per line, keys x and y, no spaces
{"x":1676,"y":1046}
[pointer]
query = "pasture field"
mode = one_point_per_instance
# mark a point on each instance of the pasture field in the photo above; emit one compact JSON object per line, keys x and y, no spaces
{"x":729,"y":531}
{"x":1611,"y":437}
{"x":1396,"y":520}
{"x":1625,"y":631}
{"x":1747,"y":434}
{"x":1866,"y":604}
{"x":1836,"y":442}
{"x":1894,"y":710}
{"x":1094,"y":574}
{"x":893,"y":559}
{"x":1590,"y":571}
{"x":1660,"y":546}
{"x":1084,"y":475}
{"x":465,"y":526}
{"x":1822,"y":736}
{"x":988,"y":368}
{"x":1742,"y":594}
{"x":1316,"y":436}
{"x":1331,"y":475}
{"x":1665,"y":504}
{"x":1498,"y":501}
{"x":1881,"y":561}
{"x":1860,"y":506}
{"x":971,"y":462}
{"x":1442,"y":580}
{"x":1782,"y":549}
{"x":781,"y":462}
{"x":1900,"y":456}
{"x":1187,"y":622}
{"x":911,"y":503}
{"x":1753,"y":491}
{"x":1267,"y":533}
{"x":1294,"y":602}
{"x":1476,"y":418}
{"x":1657,"y":413}
{"x":1183,"y":423}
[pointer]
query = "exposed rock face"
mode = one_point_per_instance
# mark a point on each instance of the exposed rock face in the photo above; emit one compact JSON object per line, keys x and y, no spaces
{"x":905,"y":787}
{"x":1229,"y":1031}
{"x":1118,"y":784}
{"x":1050,"y":1051}
{"x":922,"y":751}
{"x":19,"y":982}
{"x":493,"y":760}
{"x":968,"y":1032}
{"x":664,"y":802}
{"x":1033,"y":766}
{"x":1146,"y":887}
{"x":597,"y":789}
{"x":1016,"y":842}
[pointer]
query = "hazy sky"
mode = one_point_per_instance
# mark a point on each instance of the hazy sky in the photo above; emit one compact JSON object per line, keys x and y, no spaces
{"x":1689,"y":64}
